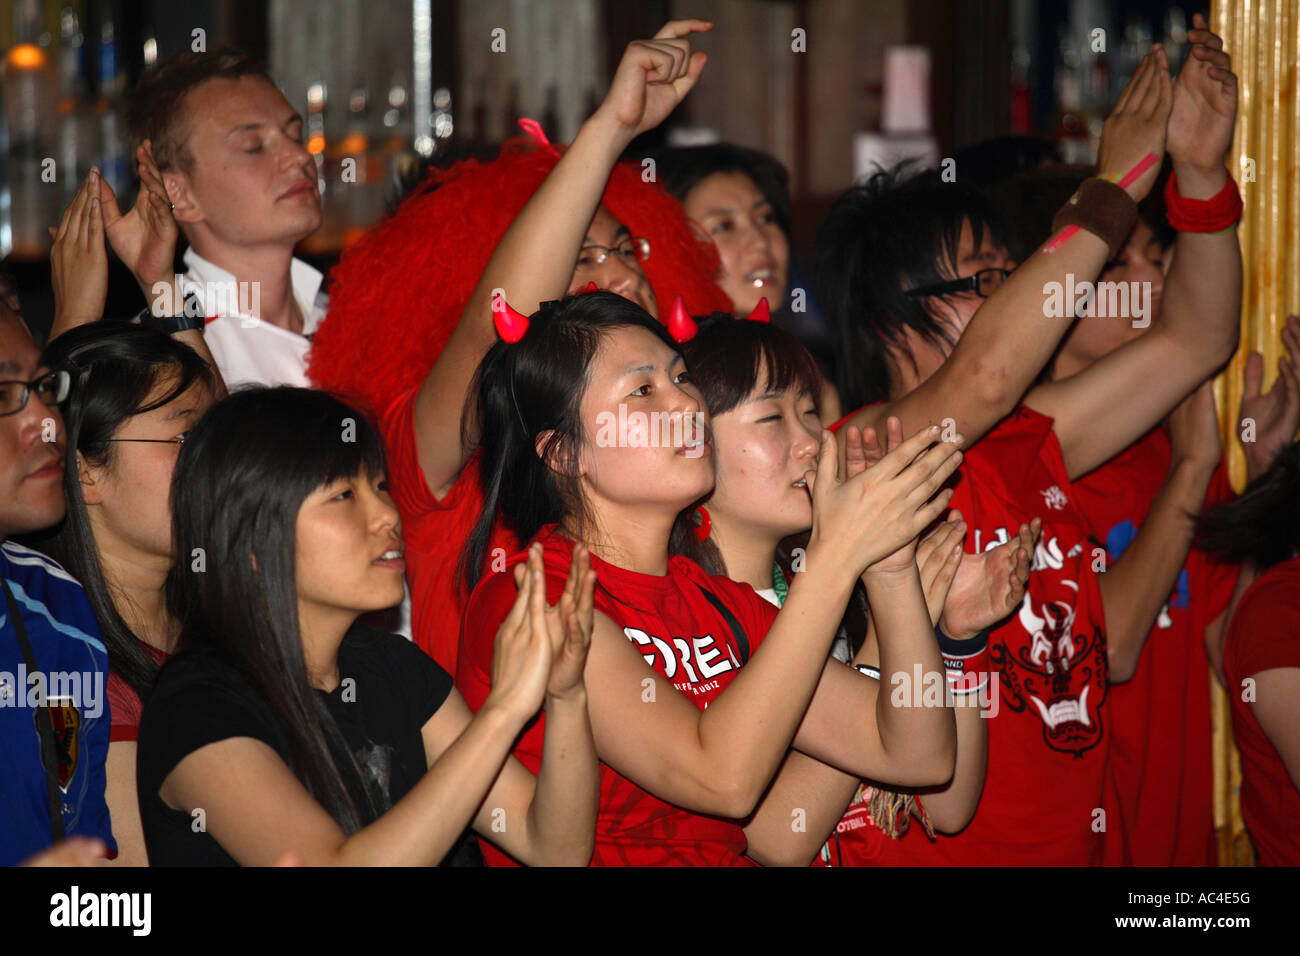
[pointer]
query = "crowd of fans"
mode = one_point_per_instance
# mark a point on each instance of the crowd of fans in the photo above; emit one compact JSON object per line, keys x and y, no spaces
{"x":679,"y":591}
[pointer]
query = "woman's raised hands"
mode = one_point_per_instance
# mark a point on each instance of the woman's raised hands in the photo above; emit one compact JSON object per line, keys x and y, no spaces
{"x":79,"y":260}
{"x":877,"y":513}
{"x":569,"y":624}
{"x":1205,"y":102}
{"x":541,"y":649}
{"x":1138,"y":124}
{"x":653,"y":77}
{"x":145,"y":237}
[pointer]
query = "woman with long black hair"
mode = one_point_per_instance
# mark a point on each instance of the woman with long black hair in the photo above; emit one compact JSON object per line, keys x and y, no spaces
{"x":593,"y":434}
{"x":287,"y":727}
{"x":136,"y":393}
{"x":1261,"y":653}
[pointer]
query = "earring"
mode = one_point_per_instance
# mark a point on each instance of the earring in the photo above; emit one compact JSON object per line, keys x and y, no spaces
{"x":703,"y":524}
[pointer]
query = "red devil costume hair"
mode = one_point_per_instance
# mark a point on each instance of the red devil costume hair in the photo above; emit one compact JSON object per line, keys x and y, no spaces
{"x":399,"y":292}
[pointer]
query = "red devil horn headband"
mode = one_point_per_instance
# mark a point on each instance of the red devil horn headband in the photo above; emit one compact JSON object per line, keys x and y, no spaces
{"x":680,"y":324}
{"x":511,"y":325}
{"x":761,"y":313}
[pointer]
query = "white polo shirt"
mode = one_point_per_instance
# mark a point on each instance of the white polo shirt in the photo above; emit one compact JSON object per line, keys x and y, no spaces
{"x":251,"y":351}
{"x":246,"y":349}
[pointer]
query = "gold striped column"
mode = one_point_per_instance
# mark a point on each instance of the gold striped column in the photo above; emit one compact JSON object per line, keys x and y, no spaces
{"x":1263,"y":39}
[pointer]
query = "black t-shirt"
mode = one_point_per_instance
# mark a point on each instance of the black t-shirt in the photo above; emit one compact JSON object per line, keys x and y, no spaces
{"x":388,"y":689}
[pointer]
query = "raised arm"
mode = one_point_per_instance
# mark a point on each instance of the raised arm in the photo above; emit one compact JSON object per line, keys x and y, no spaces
{"x":145,"y":241}
{"x":1011,"y":338}
{"x":1275,"y":416}
{"x":535,"y":259}
{"x":815,"y":794}
{"x":721,"y":760}
{"x":808,"y":797}
{"x":1104,"y":408}
{"x":258,"y":810}
{"x":833,"y":725}
{"x":852,"y":722}
{"x":549,"y":819}
{"x":79,"y":261}
{"x":1138,"y":584}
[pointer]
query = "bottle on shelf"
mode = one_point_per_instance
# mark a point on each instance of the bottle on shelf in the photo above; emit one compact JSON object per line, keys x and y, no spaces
{"x":1175,"y":38}
{"x":480,"y":134}
{"x":356,"y":172}
{"x":1022,"y":107}
{"x":30,"y":92}
{"x":513,"y":111}
{"x":114,"y":159}
{"x":551,"y":114}
{"x":76,"y":147}
{"x":401,"y":163}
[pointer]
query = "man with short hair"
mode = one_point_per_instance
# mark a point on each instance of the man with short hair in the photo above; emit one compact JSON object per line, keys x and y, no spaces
{"x":242,"y":188}
{"x":54,"y":720}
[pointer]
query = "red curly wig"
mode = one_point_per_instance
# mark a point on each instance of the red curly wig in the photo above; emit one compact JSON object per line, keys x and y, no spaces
{"x":399,"y":292}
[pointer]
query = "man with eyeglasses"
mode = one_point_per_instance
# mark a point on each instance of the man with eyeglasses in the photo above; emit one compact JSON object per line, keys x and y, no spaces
{"x":983,"y":283}
{"x":54,"y":720}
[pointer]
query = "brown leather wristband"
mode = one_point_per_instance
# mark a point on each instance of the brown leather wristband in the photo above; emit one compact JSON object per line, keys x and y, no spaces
{"x":1103,"y":209}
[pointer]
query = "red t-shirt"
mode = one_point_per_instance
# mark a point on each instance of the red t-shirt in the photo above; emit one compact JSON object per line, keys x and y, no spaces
{"x":124,"y":703}
{"x":1047,"y":743}
{"x":434,"y":532}
{"x":1160,"y":719}
{"x":1264,"y":635}
{"x":683,"y":637}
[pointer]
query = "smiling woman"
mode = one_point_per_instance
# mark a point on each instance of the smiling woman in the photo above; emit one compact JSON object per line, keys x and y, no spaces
{"x":740,"y":198}
{"x":680,"y":779}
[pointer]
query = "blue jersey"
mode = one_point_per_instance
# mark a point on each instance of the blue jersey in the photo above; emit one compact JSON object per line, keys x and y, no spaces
{"x":73,"y":678}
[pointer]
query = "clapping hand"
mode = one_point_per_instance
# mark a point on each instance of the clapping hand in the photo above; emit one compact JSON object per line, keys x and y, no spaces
{"x":1276,"y":416}
{"x":79,"y":261}
{"x":1138,"y":124}
{"x":144,"y":238}
{"x":569,"y":624}
{"x":870,"y":519}
{"x":989,"y":586}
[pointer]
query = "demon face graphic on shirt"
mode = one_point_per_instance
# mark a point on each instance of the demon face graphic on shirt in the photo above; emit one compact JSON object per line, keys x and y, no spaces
{"x":1055,"y":670}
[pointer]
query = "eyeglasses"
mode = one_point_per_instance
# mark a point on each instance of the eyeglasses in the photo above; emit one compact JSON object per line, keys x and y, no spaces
{"x":631,"y":250}
{"x":51,"y":389}
{"x":178,"y":440}
{"x":982,"y":282}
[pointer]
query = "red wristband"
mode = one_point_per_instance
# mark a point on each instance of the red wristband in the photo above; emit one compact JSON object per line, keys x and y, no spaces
{"x":967,"y":673}
{"x":1203,"y":215}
